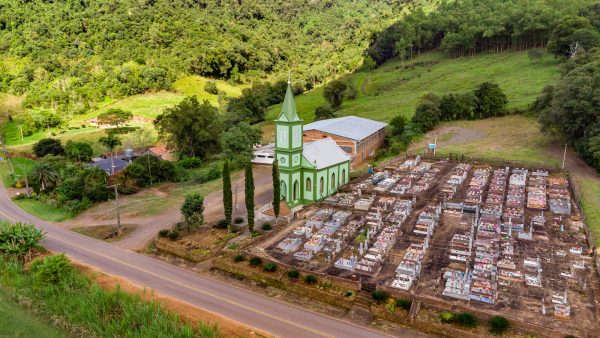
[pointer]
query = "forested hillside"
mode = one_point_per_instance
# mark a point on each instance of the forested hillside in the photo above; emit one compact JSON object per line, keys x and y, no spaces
{"x":69,"y":55}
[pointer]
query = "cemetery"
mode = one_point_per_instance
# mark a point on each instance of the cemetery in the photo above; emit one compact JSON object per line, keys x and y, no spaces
{"x":504,"y":239}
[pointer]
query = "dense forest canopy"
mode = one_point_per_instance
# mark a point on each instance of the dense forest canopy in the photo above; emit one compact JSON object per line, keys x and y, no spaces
{"x":462,"y":28}
{"x":69,"y":55}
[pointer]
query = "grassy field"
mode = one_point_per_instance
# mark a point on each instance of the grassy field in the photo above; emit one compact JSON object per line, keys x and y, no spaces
{"x":16,"y":322}
{"x":42,"y":210}
{"x":21,"y":166}
{"x":393,"y":89}
{"x":590,"y":202}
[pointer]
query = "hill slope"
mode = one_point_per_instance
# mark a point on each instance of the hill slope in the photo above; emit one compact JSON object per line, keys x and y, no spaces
{"x":393,"y":89}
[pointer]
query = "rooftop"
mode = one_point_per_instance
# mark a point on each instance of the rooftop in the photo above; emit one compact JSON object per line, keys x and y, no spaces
{"x":324,"y":153}
{"x":353,"y":127}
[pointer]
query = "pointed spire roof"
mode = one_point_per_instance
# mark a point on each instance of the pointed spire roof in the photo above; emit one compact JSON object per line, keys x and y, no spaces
{"x":288,"y":109}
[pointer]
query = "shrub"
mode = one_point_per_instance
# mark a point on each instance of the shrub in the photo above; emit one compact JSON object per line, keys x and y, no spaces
{"x":293,"y":274}
{"x":379,"y":295}
{"x":19,"y":239}
{"x":48,"y":146}
{"x":222,"y":224}
{"x":266,"y":226}
{"x":51,"y":270}
{"x":192,"y":210}
{"x":447,"y":317}
{"x":173,"y":235}
{"x":310,"y":279}
{"x":163,"y":233}
{"x":498,"y":325}
{"x":270,"y":267}
{"x":190,"y":162}
{"x":238,"y":258}
{"x":255,"y":261}
{"x":211,"y":87}
{"x":467,"y":319}
{"x":238,"y":220}
{"x":348,"y":294}
{"x":403,"y":304}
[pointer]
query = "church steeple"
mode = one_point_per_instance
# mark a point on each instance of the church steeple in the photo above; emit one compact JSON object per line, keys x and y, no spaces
{"x":288,"y":109}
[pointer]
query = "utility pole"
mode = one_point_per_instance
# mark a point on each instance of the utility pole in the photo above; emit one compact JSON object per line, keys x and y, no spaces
{"x":12,"y":169}
{"x":564,"y":157}
{"x":118,"y":213}
{"x":149,"y":171}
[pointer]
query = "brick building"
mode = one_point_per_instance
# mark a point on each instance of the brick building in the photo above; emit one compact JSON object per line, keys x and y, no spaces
{"x":358,"y":137}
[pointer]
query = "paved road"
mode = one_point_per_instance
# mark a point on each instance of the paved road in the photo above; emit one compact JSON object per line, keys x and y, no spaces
{"x":254,"y":310}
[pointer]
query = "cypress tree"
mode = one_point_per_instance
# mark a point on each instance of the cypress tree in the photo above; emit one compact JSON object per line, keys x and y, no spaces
{"x":276,"y":189}
{"x":227,"y":196}
{"x":250,"y":196}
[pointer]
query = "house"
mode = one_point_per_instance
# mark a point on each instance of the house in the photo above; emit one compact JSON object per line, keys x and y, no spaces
{"x":105,"y":164}
{"x":308,"y":171}
{"x":358,"y":137}
{"x":161,"y":152}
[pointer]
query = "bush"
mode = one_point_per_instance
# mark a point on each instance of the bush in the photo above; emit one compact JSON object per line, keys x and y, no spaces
{"x":498,"y":325}
{"x":310,"y":279}
{"x":348,"y":294}
{"x":173,"y":235}
{"x":222,"y":224}
{"x":48,"y":146}
{"x":190,"y":162}
{"x":51,"y":270}
{"x":238,"y":220}
{"x":255,"y":261}
{"x":270,"y":267}
{"x":403,"y":304}
{"x":211,"y":87}
{"x":238,"y":258}
{"x":19,"y":239}
{"x":466,"y":319}
{"x":163,"y":233}
{"x":293,"y":274}
{"x":447,"y":317}
{"x":266,"y":226}
{"x":380,"y":295}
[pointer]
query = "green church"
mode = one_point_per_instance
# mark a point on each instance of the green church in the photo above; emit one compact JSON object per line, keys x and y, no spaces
{"x":308,"y":172}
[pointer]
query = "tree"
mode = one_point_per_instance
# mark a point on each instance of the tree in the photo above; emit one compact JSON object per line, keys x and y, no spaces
{"x":498,"y":324}
{"x":44,"y":175}
{"x":238,"y":142}
{"x":324,"y":112}
{"x":333,"y":92}
{"x":227,"y":194}
{"x":192,"y":210}
{"x":490,"y":100}
{"x":192,"y":128}
{"x":95,"y":184}
{"x":78,"y":151}
{"x":48,"y":146}
{"x":276,"y":189}
{"x":544,"y":101}
{"x":114,"y":117}
{"x":457,"y":107}
{"x":400,"y":47}
{"x":562,"y":38}
{"x":427,"y":114}
{"x":110,"y":141}
{"x":397,"y":125}
{"x":249,"y":192}
{"x":369,"y":64}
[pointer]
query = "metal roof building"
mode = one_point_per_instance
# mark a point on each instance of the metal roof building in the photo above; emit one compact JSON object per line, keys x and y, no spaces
{"x":352,"y":127}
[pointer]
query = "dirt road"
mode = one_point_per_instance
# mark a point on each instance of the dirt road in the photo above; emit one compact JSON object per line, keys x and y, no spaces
{"x":166,"y":201}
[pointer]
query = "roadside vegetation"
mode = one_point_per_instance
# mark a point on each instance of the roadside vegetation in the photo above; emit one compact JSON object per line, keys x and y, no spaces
{"x":53,"y":287}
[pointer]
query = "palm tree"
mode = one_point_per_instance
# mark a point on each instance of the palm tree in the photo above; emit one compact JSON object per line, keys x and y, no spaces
{"x":44,"y":174}
{"x":111,"y":142}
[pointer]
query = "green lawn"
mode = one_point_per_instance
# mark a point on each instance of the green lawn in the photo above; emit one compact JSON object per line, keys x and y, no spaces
{"x":42,"y":210}
{"x":21,"y":166}
{"x":394,"y":90}
{"x":18,"y":322}
{"x":590,"y":202}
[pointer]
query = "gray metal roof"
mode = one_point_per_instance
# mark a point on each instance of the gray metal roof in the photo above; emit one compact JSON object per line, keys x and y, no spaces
{"x":324,"y":153}
{"x":352,"y":127}
{"x":105,"y":163}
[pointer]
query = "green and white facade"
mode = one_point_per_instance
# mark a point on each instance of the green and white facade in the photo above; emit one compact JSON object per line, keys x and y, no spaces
{"x":308,"y":172}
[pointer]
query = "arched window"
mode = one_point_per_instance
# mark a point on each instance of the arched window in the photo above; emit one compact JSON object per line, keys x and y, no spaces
{"x":333,"y":181}
{"x":283,"y":190}
{"x":308,"y":184}
{"x":295,"y":190}
{"x":343,"y":178}
{"x":322,"y":185}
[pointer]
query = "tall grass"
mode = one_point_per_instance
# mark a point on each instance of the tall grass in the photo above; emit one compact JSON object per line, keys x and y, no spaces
{"x":81,"y":303}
